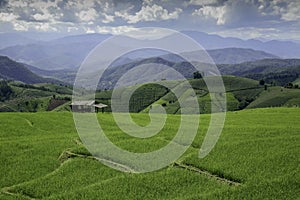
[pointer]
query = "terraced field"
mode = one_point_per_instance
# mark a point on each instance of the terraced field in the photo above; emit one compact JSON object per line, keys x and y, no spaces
{"x":34,"y":98}
{"x":277,"y":97}
{"x":256,"y":157}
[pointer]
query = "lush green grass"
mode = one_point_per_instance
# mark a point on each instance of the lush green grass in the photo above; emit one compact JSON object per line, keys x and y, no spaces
{"x":297,"y":82}
{"x":277,"y":97}
{"x":240,"y":92}
{"x":258,"y":148}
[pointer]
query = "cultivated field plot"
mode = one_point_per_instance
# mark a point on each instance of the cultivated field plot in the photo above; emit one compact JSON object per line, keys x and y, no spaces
{"x":256,"y":157}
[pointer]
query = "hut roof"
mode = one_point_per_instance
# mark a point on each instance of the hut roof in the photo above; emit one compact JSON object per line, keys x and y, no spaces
{"x":100,"y":105}
{"x":83,"y":103}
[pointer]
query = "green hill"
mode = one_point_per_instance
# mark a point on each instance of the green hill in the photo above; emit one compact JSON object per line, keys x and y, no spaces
{"x":11,"y":70}
{"x":242,"y":93}
{"x":277,"y":97}
{"x":256,"y":157}
{"x":275,"y":71}
{"x":33,"y":98}
{"x":297,"y":82}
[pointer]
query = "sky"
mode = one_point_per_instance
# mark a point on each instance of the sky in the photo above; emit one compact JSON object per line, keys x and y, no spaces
{"x":268,"y":19}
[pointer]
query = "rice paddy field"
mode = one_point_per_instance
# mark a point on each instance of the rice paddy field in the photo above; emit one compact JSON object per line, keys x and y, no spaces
{"x":256,"y":157}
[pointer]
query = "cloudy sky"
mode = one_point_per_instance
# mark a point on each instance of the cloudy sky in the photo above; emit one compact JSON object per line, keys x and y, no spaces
{"x":270,"y":19}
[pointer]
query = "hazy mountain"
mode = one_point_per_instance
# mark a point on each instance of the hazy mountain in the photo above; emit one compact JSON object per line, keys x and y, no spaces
{"x":154,"y":69}
{"x":284,"y":49}
{"x":69,"y":52}
{"x":225,"y":56}
{"x":278,"y":71}
{"x":12,"y":39}
{"x":63,"y":53}
{"x":64,"y":75}
{"x":11,"y":70}
{"x":260,"y":66}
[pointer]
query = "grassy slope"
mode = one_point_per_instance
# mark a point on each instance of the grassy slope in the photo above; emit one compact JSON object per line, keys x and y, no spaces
{"x":34,"y":97}
{"x":277,"y":97}
{"x":297,"y":82}
{"x":259,"y":148}
{"x":240,"y":92}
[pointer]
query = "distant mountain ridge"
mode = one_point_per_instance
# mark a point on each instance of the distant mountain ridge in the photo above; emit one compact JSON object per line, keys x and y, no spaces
{"x":260,"y":66}
{"x":12,"y":39}
{"x":63,"y":53}
{"x":225,"y":56}
{"x":278,"y":71}
{"x":283,"y":49}
{"x":69,"y":52}
{"x":11,"y":70}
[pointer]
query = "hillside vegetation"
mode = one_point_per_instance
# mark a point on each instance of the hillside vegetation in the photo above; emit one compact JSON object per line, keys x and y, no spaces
{"x":242,"y":93}
{"x":273,"y":71}
{"x":11,"y":70}
{"x":19,"y":97}
{"x":277,"y":97}
{"x":256,"y":157}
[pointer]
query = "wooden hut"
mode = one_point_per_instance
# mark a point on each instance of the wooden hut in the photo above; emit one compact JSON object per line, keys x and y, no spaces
{"x":86,"y":106}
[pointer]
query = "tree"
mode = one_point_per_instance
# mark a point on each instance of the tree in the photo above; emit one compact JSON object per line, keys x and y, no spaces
{"x":197,"y":75}
{"x":262,"y":82}
{"x":289,"y":85}
{"x":5,"y":91}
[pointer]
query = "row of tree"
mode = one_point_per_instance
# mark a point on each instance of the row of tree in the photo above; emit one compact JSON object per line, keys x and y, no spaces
{"x":5,"y":91}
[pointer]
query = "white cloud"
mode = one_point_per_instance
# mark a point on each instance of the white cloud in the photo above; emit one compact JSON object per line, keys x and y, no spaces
{"x":80,"y":4}
{"x":237,"y":17}
{"x":108,"y":18}
{"x":115,"y":30}
{"x":89,"y":30}
{"x":287,"y":10}
{"x":72,"y":28}
{"x":39,"y":26}
{"x":45,"y":27}
{"x":150,"y":13}
{"x":202,"y":2}
{"x":21,"y":26}
{"x":131,"y":31}
{"x":8,"y":17}
{"x":292,"y":12}
{"x":217,"y":13}
{"x":250,"y":32}
{"x":149,"y":33}
{"x":264,"y":33}
{"x":42,"y":17}
{"x":87,"y":15}
{"x":18,"y":3}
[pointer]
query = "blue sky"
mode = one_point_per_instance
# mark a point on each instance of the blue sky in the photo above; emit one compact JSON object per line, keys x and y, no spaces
{"x":274,"y":19}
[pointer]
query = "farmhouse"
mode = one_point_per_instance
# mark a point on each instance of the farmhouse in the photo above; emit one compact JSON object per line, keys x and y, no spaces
{"x":87,"y":106}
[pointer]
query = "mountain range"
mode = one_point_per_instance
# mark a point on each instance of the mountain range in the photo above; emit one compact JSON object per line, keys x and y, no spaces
{"x":69,"y":52}
{"x":12,"y":39}
{"x":11,"y":70}
{"x":62,"y":53}
{"x":283,"y":49}
{"x":279,"y":71}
